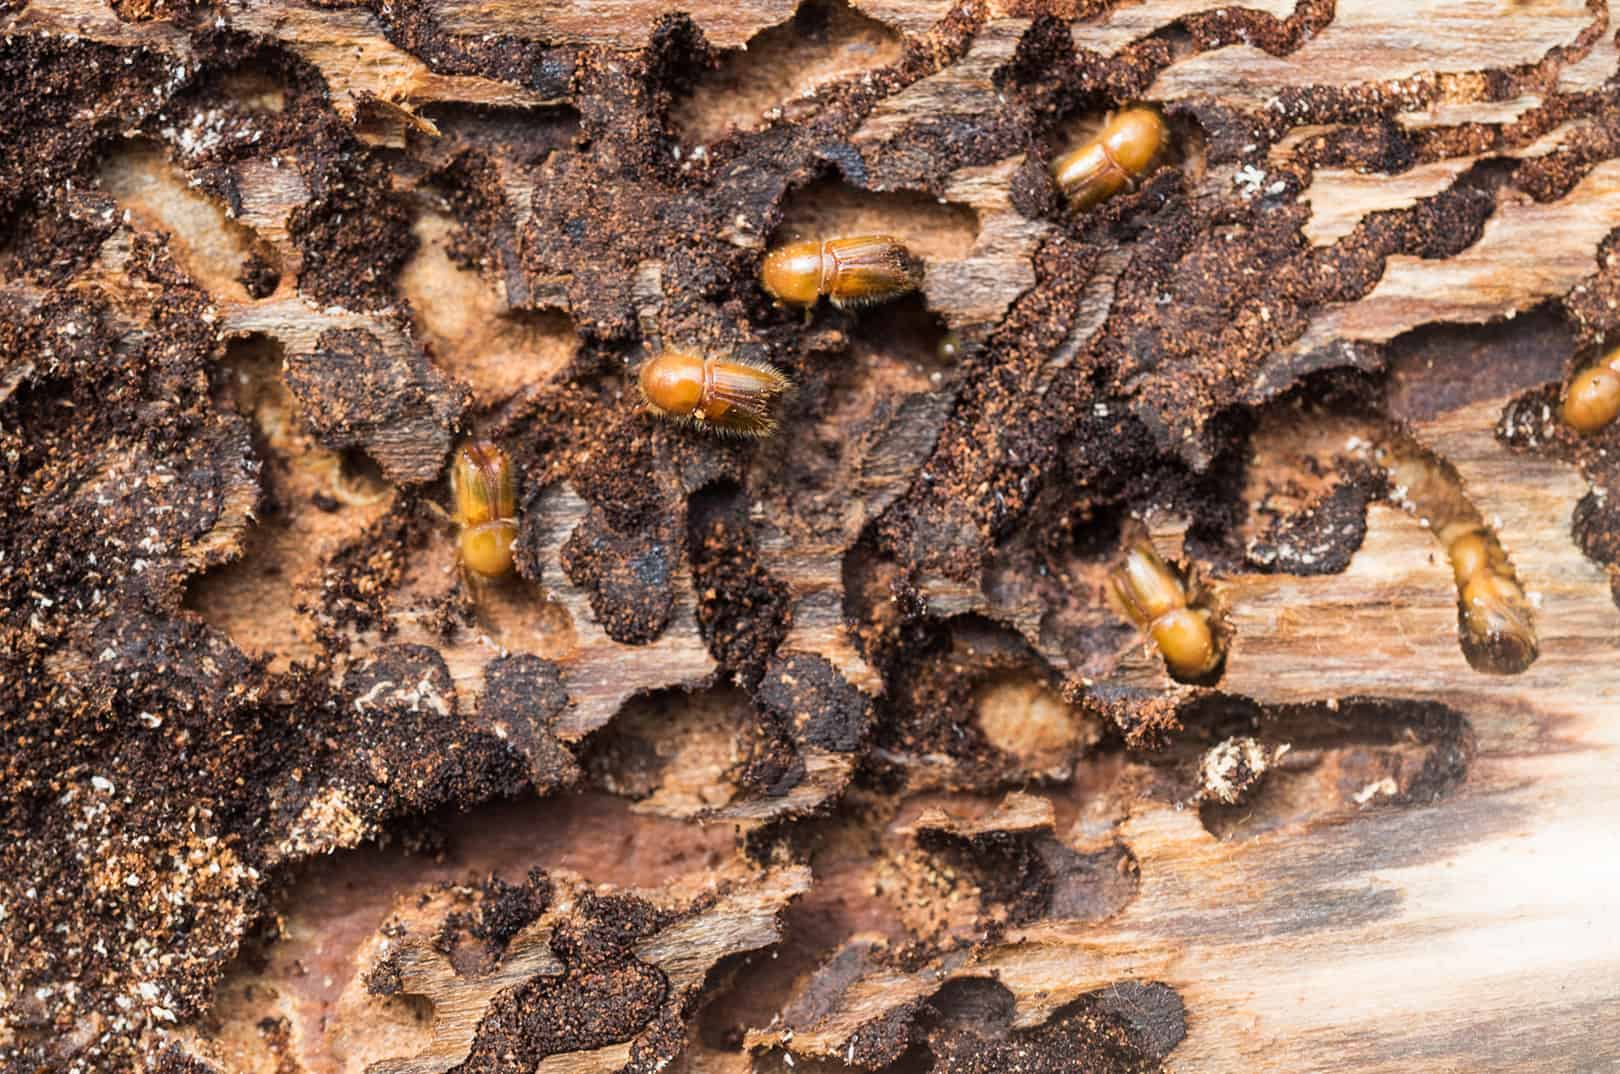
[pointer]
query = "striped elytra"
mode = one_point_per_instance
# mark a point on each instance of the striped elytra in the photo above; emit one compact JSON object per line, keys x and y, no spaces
{"x":721,"y":395}
{"x":855,"y":271}
{"x":1112,"y":161}
{"x":482,"y":487}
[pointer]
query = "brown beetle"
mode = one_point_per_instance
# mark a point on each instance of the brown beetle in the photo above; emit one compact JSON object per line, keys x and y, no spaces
{"x":1113,"y":160}
{"x":1146,"y":591}
{"x":1593,"y":397}
{"x":485,"y":508}
{"x":1490,"y":603}
{"x":725,"y":395}
{"x":1494,"y":622}
{"x":852,"y":272}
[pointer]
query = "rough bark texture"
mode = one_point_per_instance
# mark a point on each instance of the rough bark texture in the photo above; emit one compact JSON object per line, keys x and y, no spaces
{"x":824,"y":752}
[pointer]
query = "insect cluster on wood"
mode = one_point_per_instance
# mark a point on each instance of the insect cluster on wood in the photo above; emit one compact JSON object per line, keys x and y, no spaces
{"x":728,"y":395}
{"x":485,"y":508}
{"x":1145,"y":590}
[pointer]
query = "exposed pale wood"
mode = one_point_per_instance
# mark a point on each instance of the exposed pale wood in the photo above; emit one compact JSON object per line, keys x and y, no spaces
{"x":975,"y":291}
{"x":619,"y":23}
{"x":97,"y":22}
{"x":1382,"y":41}
{"x":1341,"y":199}
{"x":1131,"y":22}
{"x":743,"y":918}
{"x":965,"y":88}
{"x":555,"y":621}
{"x":412,"y":449}
{"x":1457,"y":113}
{"x":1597,"y":67}
{"x":909,"y":16}
{"x":1491,"y":953}
{"x":1016,"y":813}
{"x":1528,"y":252}
{"x":1376,"y":644}
{"x":1468,"y":934}
{"x":347,"y":45}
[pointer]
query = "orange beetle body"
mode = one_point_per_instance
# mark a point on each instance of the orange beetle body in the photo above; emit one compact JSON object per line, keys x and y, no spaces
{"x":485,"y":508}
{"x":724,"y":395}
{"x":852,"y":272}
{"x":1593,"y":397}
{"x":1496,"y":627}
{"x":1146,"y":591}
{"x":1112,"y":161}
{"x":1490,"y":602}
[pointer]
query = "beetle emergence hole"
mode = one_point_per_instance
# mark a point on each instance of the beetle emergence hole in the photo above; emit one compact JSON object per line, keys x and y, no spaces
{"x":826,"y":41}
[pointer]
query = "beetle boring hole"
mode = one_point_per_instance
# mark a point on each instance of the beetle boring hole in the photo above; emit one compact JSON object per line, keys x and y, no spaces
{"x":1187,"y":148}
{"x":1178,"y":38}
{"x":681,"y":753}
{"x":210,"y":246}
{"x":826,"y":41}
{"x":1254,"y":768}
{"x":361,"y":473}
{"x":1595,"y":528}
{"x":255,"y":86}
{"x":313,"y":501}
{"x":462,"y":314}
{"x":1309,"y":478}
{"x":721,"y":502}
{"x":910,"y":334}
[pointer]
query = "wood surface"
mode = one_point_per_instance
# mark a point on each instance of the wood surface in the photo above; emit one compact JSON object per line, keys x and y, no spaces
{"x":1356,"y":914}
